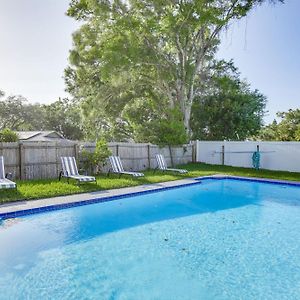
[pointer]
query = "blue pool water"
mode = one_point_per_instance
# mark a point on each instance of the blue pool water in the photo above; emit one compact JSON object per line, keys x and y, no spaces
{"x":221,"y":239}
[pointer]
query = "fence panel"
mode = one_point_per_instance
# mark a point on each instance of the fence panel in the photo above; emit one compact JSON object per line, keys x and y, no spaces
{"x":38,"y":160}
{"x":11,"y":153}
{"x":284,"y":156}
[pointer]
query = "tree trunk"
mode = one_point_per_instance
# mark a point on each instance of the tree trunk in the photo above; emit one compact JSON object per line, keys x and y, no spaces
{"x":171,"y":156}
{"x":185,"y":104}
{"x":187,"y":117}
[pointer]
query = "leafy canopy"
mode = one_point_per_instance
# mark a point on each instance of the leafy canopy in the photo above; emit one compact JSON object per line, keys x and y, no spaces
{"x":288,"y":129}
{"x":63,"y":116}
{"x":95,"y":160}
{"x":8,"y":136}
{"x":155,"y":50}
{"x":228,"y":109}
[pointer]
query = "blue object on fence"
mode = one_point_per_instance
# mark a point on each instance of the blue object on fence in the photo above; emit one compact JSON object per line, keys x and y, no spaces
{"x":256,"y":160}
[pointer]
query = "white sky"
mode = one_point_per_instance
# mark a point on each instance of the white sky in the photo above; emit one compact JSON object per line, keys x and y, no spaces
{"x":35,"y":38}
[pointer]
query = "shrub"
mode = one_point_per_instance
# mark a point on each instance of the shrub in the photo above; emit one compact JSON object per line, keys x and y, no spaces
{"x":94,"y":161}
{"x":8,"y":136}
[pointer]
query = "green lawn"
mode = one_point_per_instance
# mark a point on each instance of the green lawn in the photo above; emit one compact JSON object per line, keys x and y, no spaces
{"x":48,"y":188}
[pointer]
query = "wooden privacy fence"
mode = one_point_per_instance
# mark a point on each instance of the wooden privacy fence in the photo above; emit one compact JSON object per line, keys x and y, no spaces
{"x":39,"y":160}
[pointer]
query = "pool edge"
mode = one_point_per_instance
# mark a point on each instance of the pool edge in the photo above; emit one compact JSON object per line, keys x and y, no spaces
{"x":152,"y":188}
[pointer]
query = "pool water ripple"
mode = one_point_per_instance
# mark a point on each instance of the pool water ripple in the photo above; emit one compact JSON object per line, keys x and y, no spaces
{"x":222,"y":239}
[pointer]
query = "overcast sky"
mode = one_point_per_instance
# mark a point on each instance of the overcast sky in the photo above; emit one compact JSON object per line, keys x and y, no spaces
{"x":35,"y":37}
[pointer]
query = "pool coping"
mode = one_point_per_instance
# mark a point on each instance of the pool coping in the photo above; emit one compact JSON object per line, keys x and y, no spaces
{"x":22,"y":208}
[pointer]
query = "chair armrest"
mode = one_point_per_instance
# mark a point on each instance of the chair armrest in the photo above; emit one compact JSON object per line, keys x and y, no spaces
{"x":9,"y":176}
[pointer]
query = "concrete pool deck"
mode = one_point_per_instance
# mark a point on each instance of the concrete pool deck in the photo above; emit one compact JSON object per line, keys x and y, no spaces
{"x":25,"y":207}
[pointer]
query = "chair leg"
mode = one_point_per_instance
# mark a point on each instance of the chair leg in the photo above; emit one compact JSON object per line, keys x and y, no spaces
{"x":59,"y":177}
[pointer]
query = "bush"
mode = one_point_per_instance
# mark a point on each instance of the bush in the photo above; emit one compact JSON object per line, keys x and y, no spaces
{"x":8,"y":136}
{"x":94,"y":161}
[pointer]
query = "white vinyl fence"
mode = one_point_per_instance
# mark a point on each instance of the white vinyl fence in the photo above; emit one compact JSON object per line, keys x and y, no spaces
{"x":283,"y":156}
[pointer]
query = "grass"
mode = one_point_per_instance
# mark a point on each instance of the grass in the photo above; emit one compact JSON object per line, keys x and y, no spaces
{"x":35,"y":189}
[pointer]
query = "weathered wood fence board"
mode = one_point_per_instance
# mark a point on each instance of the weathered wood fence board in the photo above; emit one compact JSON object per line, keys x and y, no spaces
{"x":38,"y":160}
{"x":11,"y":153}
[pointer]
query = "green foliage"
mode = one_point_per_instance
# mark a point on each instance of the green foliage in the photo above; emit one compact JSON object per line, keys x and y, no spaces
{"x":63,"y":116}
{"x":288,"y":129}
{"x":229,"y":109}
{"x":101,"y":153}
{"x":12,"y":113}
{"x":95,"y":160}
{"x":171,"y":132}
{"x":151,"y":122}
{"x":8,"y":136}
{"x":126,"y":51}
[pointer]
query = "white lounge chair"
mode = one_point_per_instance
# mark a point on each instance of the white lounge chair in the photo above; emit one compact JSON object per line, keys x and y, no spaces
{"x":117,"y":168}
{"x":4,"y":182}
{"x":162,"y":165}
{"x":69,"y":170}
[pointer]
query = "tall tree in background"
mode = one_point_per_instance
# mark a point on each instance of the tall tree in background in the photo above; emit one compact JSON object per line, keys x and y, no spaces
{"x":11,"y":114}
{"x":16,"y":113}
{"x":159,"y":50}
{"x":288,"y":129}
{"x":227,"y":109}
{"x":63,"y":116}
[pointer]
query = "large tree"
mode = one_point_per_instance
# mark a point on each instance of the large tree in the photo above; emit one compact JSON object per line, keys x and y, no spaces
{"x":130,"y":49}
{"x":63,"y":116}
{"x":287,"y":129}
{"x":16,"y":113}
{"x":227,"y":109}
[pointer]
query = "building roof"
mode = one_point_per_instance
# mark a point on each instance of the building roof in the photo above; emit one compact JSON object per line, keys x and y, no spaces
{"x":39,"y":136}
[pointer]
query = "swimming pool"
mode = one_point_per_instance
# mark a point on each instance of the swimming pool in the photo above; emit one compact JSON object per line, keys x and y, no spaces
{"x":219,"y":239}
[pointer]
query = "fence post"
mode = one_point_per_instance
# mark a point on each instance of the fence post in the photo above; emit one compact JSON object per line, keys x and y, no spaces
{"x":22,"y":161}
{"x":117,"y":149}
{"x":194,"y":151}
{"x":149,"y":157}
{"x":223,"y":155}
{"x":76,"y":151}
{"x":172,"y":163}
{"x":57,"y":159}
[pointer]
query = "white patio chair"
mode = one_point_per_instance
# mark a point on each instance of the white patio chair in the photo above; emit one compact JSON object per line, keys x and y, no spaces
{"x":69,"y":170}
{"x":4,"y":182}
{"x":117,"y":168}
{"x":162,"y":165}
